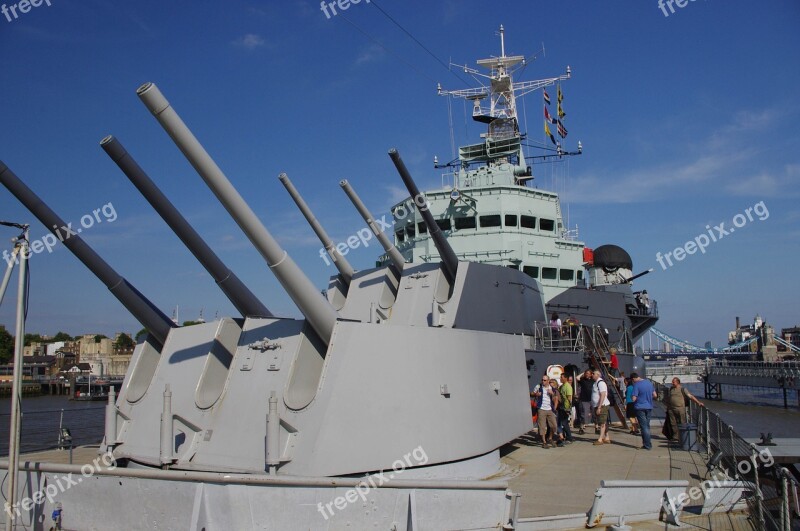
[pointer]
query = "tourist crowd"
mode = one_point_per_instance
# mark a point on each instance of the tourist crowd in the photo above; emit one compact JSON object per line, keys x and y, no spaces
{"x":583,"y":401}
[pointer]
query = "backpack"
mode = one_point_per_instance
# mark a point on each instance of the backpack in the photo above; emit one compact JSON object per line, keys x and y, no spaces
{"x":610,"y":395}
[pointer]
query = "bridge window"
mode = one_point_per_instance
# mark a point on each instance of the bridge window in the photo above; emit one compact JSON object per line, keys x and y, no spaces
{"x":490,"y":221}
{"x":444,"y":224}
{"x":465,"y":222}
{"x":513,"y":266}
{"x":547,"y":224}
{"x":422,"y":228}
{"x":410,"y":232}
{"x":531,"y":271}
{"x":580,"y":274}
{"x":549,"y":273}
{"x":566,"y":274}
{"x":511,"y":220}
{"x":527,"y":222}
{"x":400,"y":235}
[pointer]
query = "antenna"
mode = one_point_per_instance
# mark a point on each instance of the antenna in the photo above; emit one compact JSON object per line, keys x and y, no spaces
{"x":502,"y":42}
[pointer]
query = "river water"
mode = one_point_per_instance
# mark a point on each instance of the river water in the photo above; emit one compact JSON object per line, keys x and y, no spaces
{"x":42,"y":416}
{"x":749,"y":410}
{"x":753,"y":410}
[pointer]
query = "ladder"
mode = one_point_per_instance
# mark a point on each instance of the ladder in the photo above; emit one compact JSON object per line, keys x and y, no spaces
{"x":596,"y":348}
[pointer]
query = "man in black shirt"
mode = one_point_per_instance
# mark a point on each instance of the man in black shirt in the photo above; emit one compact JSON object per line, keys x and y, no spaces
{"x":584,"y":389}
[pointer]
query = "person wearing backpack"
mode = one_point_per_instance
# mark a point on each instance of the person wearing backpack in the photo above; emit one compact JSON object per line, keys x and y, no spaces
{"x":600,"y":404}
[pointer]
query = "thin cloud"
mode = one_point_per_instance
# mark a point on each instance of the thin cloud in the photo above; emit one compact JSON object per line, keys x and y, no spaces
{"x":371,"y":54}
{"x":250,"y":41}
{"x":768,"y":184}
{"x":721,"y":159}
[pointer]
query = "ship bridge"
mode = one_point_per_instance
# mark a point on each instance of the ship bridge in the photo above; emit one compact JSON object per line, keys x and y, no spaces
{"x":488,"y":218}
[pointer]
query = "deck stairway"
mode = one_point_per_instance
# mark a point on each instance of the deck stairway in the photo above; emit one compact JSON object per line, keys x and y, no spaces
{"x":596,"y":348}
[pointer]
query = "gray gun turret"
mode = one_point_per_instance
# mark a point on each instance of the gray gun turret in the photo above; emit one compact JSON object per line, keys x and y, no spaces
{"x":154,"y":321}
{"x":449,"y":258}
{"x":242,"y":298}
{"x":394,"y":255}
{"x":341,"y":263}
{"x":316,"y":309}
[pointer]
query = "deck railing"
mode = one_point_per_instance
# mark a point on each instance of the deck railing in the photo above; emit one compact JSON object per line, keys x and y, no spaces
{"x":775,"y":503}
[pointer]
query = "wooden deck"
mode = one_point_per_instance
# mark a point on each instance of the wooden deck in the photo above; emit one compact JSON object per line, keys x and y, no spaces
{"x":81,"y":455}
{"x":562,"y":481}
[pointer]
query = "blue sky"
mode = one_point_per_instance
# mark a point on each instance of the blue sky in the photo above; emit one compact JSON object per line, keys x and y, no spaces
{"x":686,"y":120}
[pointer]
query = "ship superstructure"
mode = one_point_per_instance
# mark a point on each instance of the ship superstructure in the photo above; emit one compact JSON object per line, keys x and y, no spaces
{"x":492,"y":213}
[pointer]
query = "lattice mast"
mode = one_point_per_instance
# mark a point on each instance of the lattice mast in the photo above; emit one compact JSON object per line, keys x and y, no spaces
{"x":501,"y":91}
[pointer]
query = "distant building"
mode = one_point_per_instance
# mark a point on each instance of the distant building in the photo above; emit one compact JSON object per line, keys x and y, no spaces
{"x":90,"y":346}
{"x":33,"y":367}
{"x":103,"y":356}
{"x":79,"y":369}
{"x":35,"y":349}
{"x":55,"y":346}
{"x":760,"y":328}
{"x":791,"y":335}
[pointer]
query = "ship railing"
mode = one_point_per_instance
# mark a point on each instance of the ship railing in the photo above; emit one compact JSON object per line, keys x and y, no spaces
{"x":460,"y":180}
{"x":565,"y":338}
{"x":774,"y":503}
{"x":43,"y":430}
{"x":652,"y":311}
{"x":573,"y":338}
{"x":450,"y":180}
{"x":782,"y":371}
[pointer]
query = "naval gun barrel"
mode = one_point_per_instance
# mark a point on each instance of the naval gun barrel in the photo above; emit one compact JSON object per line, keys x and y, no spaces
{"x":394,"y":255}
{"x":449,"y":258}
{"x":154,"y":321}
{"x":341,"y":263}
{"x":634,"y":277}
{"x":316,"y":309}
{"x":242,"y":298}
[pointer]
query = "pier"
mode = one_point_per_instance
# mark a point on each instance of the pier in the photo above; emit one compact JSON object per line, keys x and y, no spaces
{"x":716,"y":373}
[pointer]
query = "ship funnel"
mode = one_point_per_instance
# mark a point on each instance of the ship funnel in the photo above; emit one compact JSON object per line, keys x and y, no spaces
{"x":341,"y":263}
{"x":155,"y":322}
{"x":242,"y":298}
{"x":449,"y":258}
{"x":319,"y":313}
{"x":394,"y":255}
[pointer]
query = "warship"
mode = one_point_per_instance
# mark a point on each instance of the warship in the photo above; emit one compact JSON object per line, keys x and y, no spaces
{"x":387,"y":404}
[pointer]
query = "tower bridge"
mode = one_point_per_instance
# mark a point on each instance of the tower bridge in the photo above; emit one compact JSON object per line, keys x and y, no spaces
{"x":717,"y":367}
